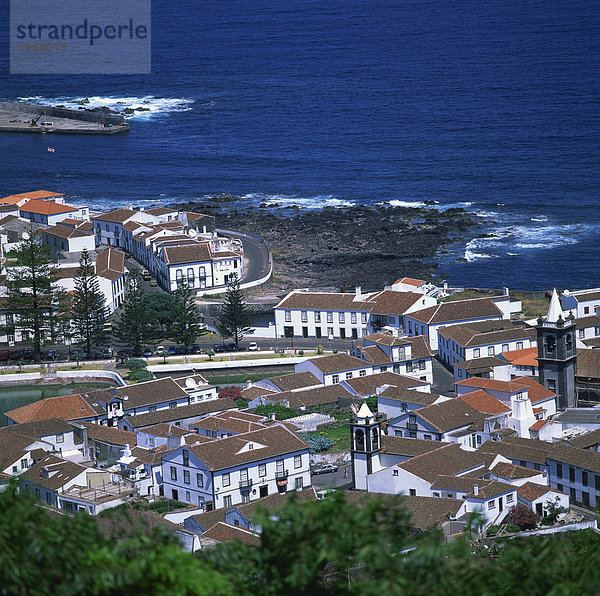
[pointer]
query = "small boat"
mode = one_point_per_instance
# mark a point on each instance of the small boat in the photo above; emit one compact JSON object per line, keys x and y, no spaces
{"x":50,"y":150}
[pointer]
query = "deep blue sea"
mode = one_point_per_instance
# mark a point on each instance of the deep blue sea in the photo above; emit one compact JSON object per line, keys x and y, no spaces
{"x":492,"y":106}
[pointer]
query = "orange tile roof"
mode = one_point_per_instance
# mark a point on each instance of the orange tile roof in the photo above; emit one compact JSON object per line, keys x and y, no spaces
{"x":68,"y":407}
{"x":34,"y":194}
{"x":485,"y":403}
{"x":539,"y":424}
{"x":526,"y":357}
{"x":46,"y":207}
{"x":535,"y":391}
{"x":410,"y":281}
{"x":11,"y":200}
{"x":530,"y":491}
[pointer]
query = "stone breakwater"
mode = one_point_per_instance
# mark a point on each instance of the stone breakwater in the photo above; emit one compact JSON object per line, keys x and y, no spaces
{"x":334,"y":248}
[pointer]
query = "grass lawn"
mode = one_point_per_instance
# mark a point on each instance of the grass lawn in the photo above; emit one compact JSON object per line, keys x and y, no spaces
{"x":468,"y":295}
{"x":226,"y":379}
{"x":533,"y":303}
{"x":340,"y":435}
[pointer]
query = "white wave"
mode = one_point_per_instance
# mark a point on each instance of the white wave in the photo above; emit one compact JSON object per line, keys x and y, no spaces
{"x":541,"y":218}
{"x":398,"y":203}
{"x":486,"y":214}
{"x":315,"y":202}
{"x":152,"y":105}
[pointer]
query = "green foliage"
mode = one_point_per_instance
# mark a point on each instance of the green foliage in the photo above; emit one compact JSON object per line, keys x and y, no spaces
{"x":319,"y":349}
{"x":339,"y":434}
{"x":89,"y":312}
{"x":553,"y":510}
{"x":234,"y":318}
{"x":492,"y":531}
{"x":159,"y":506}
{"x":281,"y":412}
{"x":335,"y":351}
{"x":512,"y":528}
{"x":134,"y":364}
{"x":187,"y":324}
{"x":300,"y":352}
{"x":241,"y":403}
{"x":32,"y":300}
{"x":161,"y":306}
{"x":371,"y":402}
{"x":317,"y":443}
{"x":140,"y":376}
{"x":135,"y":326}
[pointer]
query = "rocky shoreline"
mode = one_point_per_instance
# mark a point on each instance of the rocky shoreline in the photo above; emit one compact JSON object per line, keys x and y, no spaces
{"x":339,"y":248}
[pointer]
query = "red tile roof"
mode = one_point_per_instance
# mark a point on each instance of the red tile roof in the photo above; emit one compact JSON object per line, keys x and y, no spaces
{"x":526,"y":357}
{"x":535,"y":391}
{"x":459,"y":310}
{"x":530,"y":491}
{"x":483,"y":402}
{"x":35,"y":194}
{"x":46,"y":207}
{"x":410,"y":281}
{"x":69,"y":407}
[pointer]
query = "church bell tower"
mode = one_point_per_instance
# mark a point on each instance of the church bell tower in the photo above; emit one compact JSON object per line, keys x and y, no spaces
{"x":365,"y":428}
{"x":557,"y":353}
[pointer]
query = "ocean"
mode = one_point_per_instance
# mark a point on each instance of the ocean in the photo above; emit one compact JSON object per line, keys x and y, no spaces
{"x":490,"y":106}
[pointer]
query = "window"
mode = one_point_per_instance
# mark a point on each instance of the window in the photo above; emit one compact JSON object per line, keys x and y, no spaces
{"x":227,"y":501}
{"x":304,"y":316}
{"x":519,"y":345}
{"x":492,"y":504}
{"x":412,"y":492}
{"x":335,"y":379}
{"x":552,"y":384}
{"x":597,"y":482}
{"x":330,"y":332}
{"x":581,"y":333}
{"x":60,"y":438}
{"x":342,"y":317}
{"x":23,"y":464}
{"x":421,"y":364}
{"x":362,"y":373}
{"x":505,"y":347}
{"x":186,"y":477}
{"x":396,"y":473}
{"x":509,"y":498}
{"x":363,"y":317}
{"x":179,"y":277}
{"x":186,"y":457}
{"x":348,"y":375}
{"x":288,"y":316}
{"x":172,"y":404}
{"x":190,"y":276}
{"x":352,"y":317}
{"x":152,"y":409}
{"x":200,"y":499}
{"x":559,"y":486}
{"x":317,"y":316}
{"x":584,"y":478}
{"x":491,"y":350}
{"x":409,"y":367}
{"x":329,"y":317}
{"x":174,"y":473}
{"x":200,"y":480}
{"x":226,"y":479}
{"x":571,"y":474}
{"x":596,"y":330}
{"x":297,"y":461}
{"x":262,"y":470}
{"x":436,"y":494}
{"x":476,"y":352}
{"x":586,"y":310}
{"x":427,"y":437}
{"x":188,"y":495}
{"x":299,"y":483}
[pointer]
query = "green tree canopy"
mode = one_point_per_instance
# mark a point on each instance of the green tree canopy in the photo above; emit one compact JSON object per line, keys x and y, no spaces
{"x":234,"y":318}
{"x":162,"y":308}
{"x":187,"y":324}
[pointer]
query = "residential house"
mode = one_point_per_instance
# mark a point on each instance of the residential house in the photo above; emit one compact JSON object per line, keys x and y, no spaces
{"x":489,"y":367}
{"x":395,"y":401}
{"x":49,"y":213}
{"x":527,"y":453}
{"x":197,"y":387}
{"x":541,"y":499}
{"x":301,"y":399}
{"x":332,"y":369}
{"x":108,"y":227}
{"x":111,"y":272}
{"x":19,"y":452}
{"x":522,"y":363}
{"x":430,"y":320}
{"x":583,"y":303}
{"x":64,"y":238}
{"x":366,"y":386}
{"x":104,"y":443}
{"x":290,"y":382}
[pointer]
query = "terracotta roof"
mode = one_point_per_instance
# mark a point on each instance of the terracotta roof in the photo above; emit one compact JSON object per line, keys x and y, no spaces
{"x":12,"y":200}
{"x":61,"y":472}
{"x":237,"y":415}
{"x":390,"y":302}
{"x":329,"y":394}
{"x":449,"y":459}
{"x":87,"y":225}
{"x":410,"y":281}
{"x":485,"y":403}
{"x":140,"y":394}
{"x":253,"y":392}
{"x":573,"y":456}
{"x":69,"y":407}
{"x":489,"y":489}
{"x":527,"y":450}
{"x":459,"y":310}
{"x":420,"y":347}
{"x":36,"y":194}
{"x":512,"y":471}
{"x":182,"y":412}
{"x":530,"y":491}
{"x":193,"y":253}
{"x":160,"y":210}
{"x":586,"y":440}
{"x":64,"y":272}
{"x":7,"y":218}
{"x":229,"y":452}
{"x":195,"y":216}
{"x":408,"y":447}
{"x":227,"y":533}
{"x":487,"y":332}
{"x":132,"y":226}
{"x":535,"y":391}
{"x":108,"y":434}
{"x":115,"y":216}
{"x":165,"y":430}
{"x":450,"y":414}
{"x":586,"y":296}
{"x":46,"y":207}
{"x":337,"y":363}
{"x":373,"y":355}
{"x":463,"y":484}
{"x":539,"y":424}
{"x":110,"y":263}
{"x":42,"y":428}
{"x":324,"y":301}
{"x":369,"y":384}
{"x":120,"y":524}
{"x":588,"y":364}
{"x":409,"y":396}
{"x":66,"y":232}
{"x":385,"y":338}
{"x":70,"y":221}
{"x":526,"y":357}
{"x":294,"y":381}
{"x":237,"y":426}
{"x":13,"y":446}
{"x":151,"y":457}
{"x":485,"y":364}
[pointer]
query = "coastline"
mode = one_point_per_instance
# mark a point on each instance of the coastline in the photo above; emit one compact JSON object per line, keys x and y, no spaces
{"x":339,"y":248}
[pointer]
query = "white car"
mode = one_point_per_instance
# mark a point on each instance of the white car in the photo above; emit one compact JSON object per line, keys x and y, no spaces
{"x":252,"y":347}
{"x":160,"y":350}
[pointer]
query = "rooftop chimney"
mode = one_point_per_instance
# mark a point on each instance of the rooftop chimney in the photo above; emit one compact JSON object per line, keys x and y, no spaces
{"x":358,"y":297}
{"x":272,"y":417}
{"x":476,"y":489}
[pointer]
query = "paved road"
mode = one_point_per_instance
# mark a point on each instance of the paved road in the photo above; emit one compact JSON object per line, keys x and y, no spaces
{"x":443,"y":379}
{"x":256,"y":259}
{"x":335,"y":479}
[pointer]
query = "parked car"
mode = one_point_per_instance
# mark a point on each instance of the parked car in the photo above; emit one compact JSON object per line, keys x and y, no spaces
{"x":146,"y":275}
{"x":218,"y":348}
{"x":126,"y":353}
{"x":172,"y":350}
{"x":4,"y":355}
{"x":325,"y":469}
{"x":153,"y":283}
{"x":252,"y":347}
{"x":147,"y":353}
{"x":231,"y":347}
{"x":52,"y":355}
{"x":27,"y":355}
{"x":181,"y":350}
{"x":160,"y":350}
{"x":196,"y":349}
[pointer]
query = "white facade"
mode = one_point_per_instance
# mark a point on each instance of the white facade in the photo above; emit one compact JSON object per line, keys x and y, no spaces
{"x":333,"y":378}
{"x":583,"y":303}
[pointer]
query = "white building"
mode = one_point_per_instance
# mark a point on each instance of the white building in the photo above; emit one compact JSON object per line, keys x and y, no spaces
{"x":332,"y":369}
{"x":583,"y":303}
{"x":50,"y":213}
{"x":237,"y":469}
{"x":68,"y":239}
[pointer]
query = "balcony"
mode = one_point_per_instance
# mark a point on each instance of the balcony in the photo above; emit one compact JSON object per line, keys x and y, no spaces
{"x":246,"y":483}
{"x":281,"y":474}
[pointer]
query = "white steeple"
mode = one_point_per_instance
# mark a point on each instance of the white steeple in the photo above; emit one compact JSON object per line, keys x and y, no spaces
{"x":555,"y":309}
{"x":364,"y":411}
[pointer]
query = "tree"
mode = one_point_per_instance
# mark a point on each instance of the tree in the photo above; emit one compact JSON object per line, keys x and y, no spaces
{"x":30,"y":293}
{"x":135,"y":326}
{"x":234,"y":318}
{"x":162,"y":306}
{"x":187,"y":325}
{"x":89,"y":310}
{"x":522,"y":516}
